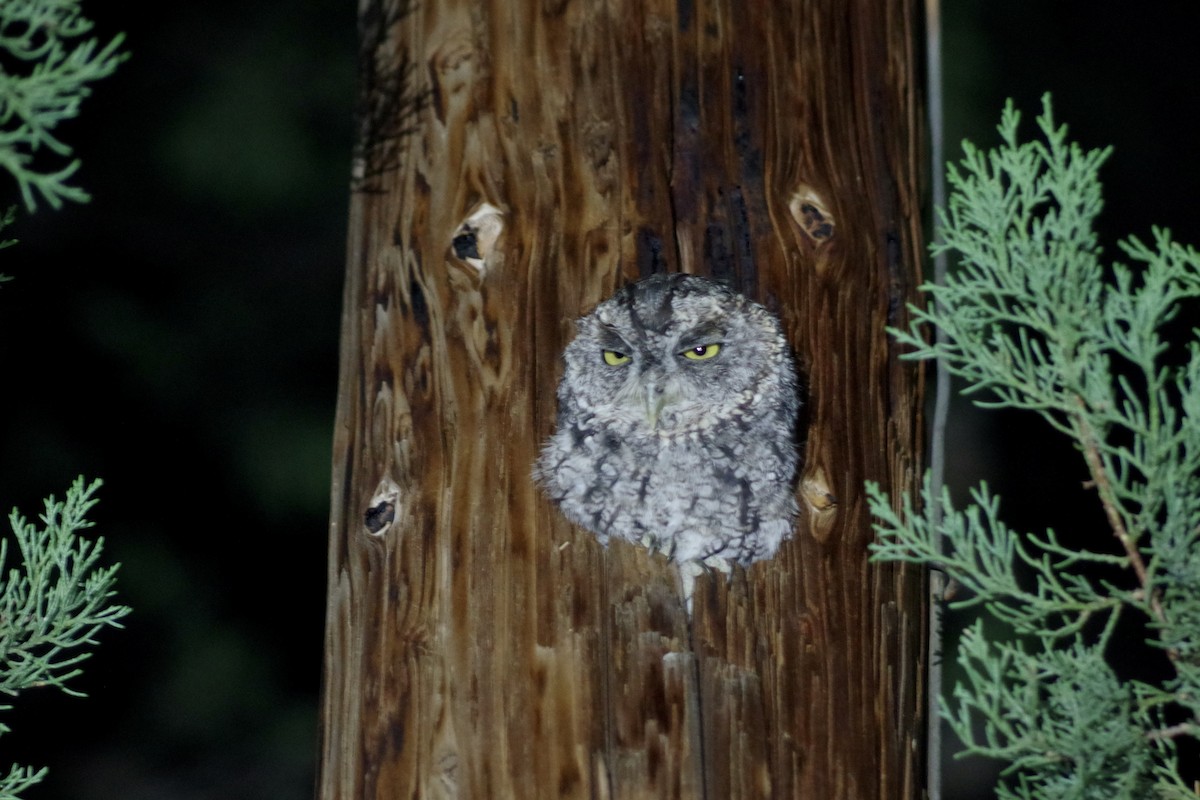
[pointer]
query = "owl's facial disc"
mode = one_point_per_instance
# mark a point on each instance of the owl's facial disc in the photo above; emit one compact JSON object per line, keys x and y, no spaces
{"x":669,"y":378}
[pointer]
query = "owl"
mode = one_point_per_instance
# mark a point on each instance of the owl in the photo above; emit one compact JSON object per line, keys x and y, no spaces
{"x":676,"y":424}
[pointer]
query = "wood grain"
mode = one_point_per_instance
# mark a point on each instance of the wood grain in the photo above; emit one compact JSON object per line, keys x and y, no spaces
{"x":478,"y":645}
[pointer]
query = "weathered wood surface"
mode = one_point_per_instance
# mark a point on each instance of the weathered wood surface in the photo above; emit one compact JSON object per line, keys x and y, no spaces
{"x":478,"y":646}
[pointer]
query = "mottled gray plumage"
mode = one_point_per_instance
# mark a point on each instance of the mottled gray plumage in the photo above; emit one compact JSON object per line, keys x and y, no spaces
{"x":676,"y":422}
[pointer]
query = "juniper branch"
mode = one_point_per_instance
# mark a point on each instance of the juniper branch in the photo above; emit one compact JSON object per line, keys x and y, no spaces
{"x":35,"y":99}
{"x":1033,"y":320}
{"x":53,"y":603}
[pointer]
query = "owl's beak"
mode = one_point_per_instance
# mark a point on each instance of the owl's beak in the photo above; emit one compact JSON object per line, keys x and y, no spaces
{"x":656,"y":400}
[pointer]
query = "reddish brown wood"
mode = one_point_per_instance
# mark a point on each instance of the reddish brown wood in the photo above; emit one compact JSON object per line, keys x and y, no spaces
{"x":478,"y":646}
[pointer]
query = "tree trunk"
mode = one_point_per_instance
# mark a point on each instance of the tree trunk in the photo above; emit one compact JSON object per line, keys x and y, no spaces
{"x":517,"y":162}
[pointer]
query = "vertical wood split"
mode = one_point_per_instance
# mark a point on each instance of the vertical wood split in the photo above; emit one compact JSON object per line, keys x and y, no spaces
{"x":517,"y":162}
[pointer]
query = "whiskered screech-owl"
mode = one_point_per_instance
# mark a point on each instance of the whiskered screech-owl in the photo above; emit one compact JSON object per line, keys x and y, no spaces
{"x":676,"y":424}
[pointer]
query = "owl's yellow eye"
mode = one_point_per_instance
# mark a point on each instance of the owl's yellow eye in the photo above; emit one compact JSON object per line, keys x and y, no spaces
{"x":615,"y":359}
{"x":702,"y":352}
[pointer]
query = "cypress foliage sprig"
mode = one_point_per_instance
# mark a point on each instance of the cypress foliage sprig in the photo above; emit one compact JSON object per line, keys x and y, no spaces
{"x":1034,"y":320}
{"x":53,"y":602}
{"x":45,"y":73}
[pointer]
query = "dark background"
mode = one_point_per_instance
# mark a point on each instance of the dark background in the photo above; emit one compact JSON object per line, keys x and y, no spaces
{"x":178,"y":337}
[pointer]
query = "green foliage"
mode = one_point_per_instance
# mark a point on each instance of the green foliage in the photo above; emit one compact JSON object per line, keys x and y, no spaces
{"x":52,"y":605}
{"x":1033,"y":320}
{"x":6,"y":218}
{"x":53,"y":79}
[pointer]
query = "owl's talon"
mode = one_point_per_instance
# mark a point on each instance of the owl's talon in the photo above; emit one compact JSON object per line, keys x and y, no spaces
{"x":652,"y":543}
